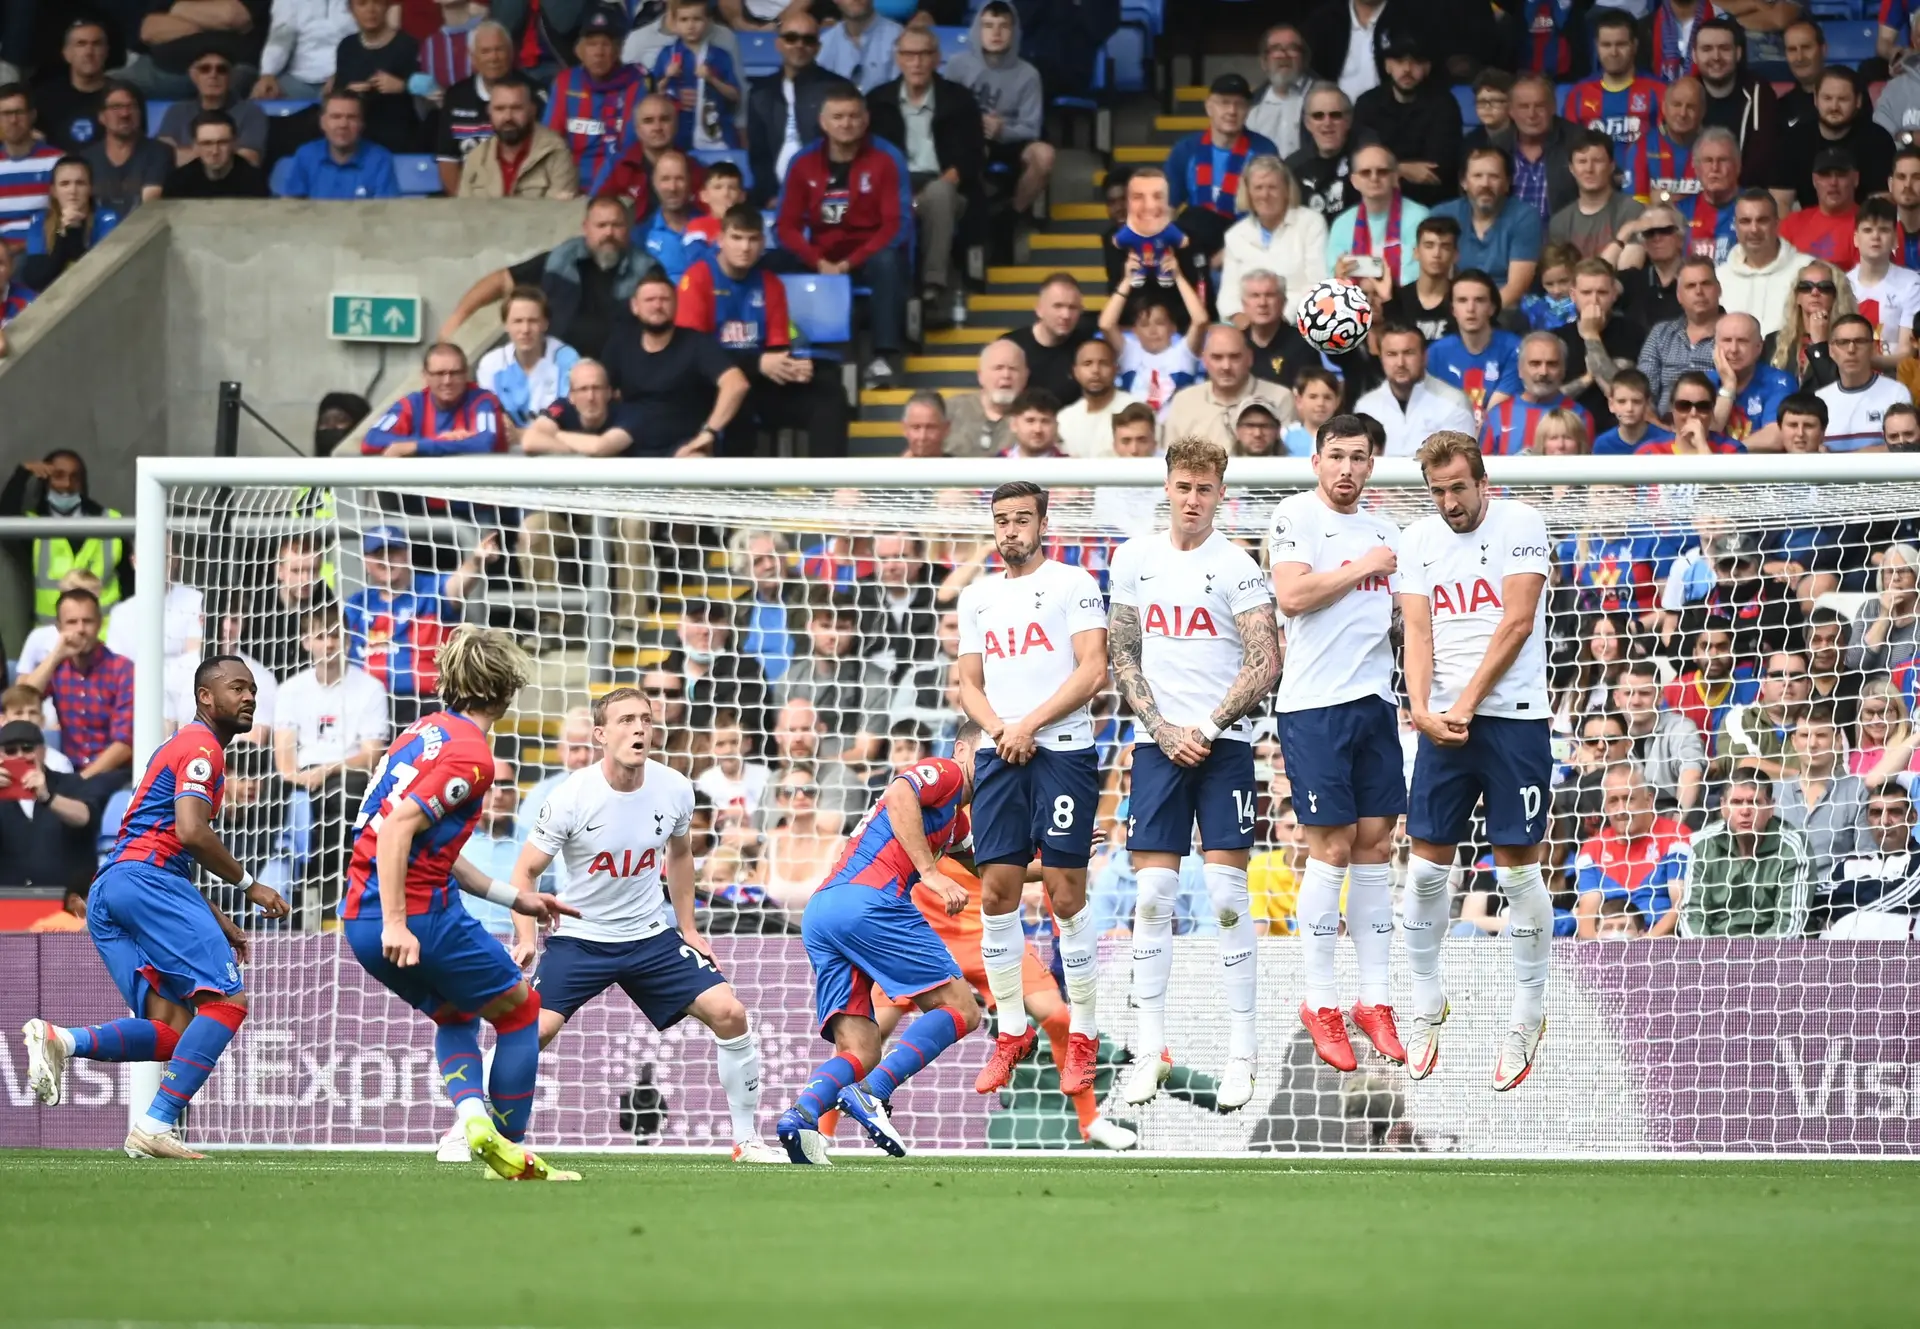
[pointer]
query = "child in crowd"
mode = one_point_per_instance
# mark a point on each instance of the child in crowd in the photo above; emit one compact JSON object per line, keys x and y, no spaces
{"x":723,"y":191}
{"x":1630,"y":399}
{"x":1155,"y":361}
{"x":1316,"y":396}
{"x":1552,"y":305}
{"x":699,"y":77}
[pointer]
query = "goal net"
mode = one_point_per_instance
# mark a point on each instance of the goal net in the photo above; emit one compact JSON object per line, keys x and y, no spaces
{"x":1714,"y":645}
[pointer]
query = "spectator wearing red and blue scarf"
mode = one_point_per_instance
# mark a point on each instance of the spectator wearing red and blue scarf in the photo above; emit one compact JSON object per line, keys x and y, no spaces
{"x":450,"y":415}
{"x":591,"y":103}
{"x":1667,"y":36}
{"x":1204,"y":169}
{"x":1509,"y":426}
{"x":397,"y":621}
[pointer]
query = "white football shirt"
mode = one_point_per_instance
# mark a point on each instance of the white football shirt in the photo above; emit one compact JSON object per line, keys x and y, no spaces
{"x":1340,"y":653}
{"x":1190,"y":647}
{"x":613,"y":850}
{"x":330,"y":723}
{"x":1462,"y":579}
{"x":1022,"y":629}
{"x":1889,"y":304}
{"x":1855,"y":416}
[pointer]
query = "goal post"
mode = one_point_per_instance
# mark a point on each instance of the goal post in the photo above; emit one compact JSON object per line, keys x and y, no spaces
{"x":655,"y":573}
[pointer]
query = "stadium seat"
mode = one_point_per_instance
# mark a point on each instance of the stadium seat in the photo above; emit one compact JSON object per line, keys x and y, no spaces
{"x":418,"y":173}
{"x":1130,"y":59}
{"x":277,"y":178}
{"x":708,"y":156}
{"x":1463,"y":93}
{"x":952,"y":42}
{"x":759,"y":56}
{"x":156,"y":112}
{"x":112,"y":815}
{"x":820,"y":308}
{"x":284,"y":107}
{"x":1149,"y":14}
{"x":1849,"y":43}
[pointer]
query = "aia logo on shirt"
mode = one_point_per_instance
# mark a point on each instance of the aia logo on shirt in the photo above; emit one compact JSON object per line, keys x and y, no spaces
{"x":1459,"y":599}
{"x":1182,"y":623}
{"x":833,"y":207}
{"x":1378,"y":583}
{"x":629,"y":864}
{"x":1034,"y":639}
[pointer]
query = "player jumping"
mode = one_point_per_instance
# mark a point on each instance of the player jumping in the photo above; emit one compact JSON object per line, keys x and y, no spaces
{"x":1195,"y":650}
{"x":1476,"y":662}
{"x":1334,"y":578}
{"x":174,"y":957}
{"x":861,"y":929}
{"x":1033,"y":653}
{"x":613,"y":823}
{"x":407,"y":930}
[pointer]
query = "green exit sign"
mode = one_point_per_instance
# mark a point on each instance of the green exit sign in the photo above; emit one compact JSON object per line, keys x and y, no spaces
{"x":393,"y":318}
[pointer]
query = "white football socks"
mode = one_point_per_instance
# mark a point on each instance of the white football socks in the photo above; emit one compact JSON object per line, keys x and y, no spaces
{"x":1319,"y":910}
{"x":1158,"y":888}
{"x":1002,"y":944}
{"x":1530,"y":932}
{"x":1425,"y":913}
{"x":1080,"y":964}
{"x":1370,"y":925}
{"x":739,"y":1063}
{"x":1239,"y":955}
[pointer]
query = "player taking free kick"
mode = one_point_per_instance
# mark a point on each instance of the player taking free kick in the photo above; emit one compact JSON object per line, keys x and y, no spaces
{"x":407,"y":930}
{"x":1195,"y":650}
{"x":1033,"y":653}
{"x":174,"y":957}
{"x":613,"y":824}
{"x":1471,"y":595}
{"x":1334,"y":577}
{"x":861,"y":929}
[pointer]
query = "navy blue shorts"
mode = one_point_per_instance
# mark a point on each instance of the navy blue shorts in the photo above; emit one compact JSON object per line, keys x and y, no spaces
{"x":1047,"y":804}
{"x":1507,"y":762}
{"x":1344,"y":762}
{"x":155,"y":934}
{"x":662,"y":974}
{"x":462,"y":966}
{"x":857,"y":936}
{"x":1168,"y":799}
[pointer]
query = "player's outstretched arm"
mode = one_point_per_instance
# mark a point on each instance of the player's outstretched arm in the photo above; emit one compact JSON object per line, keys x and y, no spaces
{"x":526,"y":902}
{"x":197,"y":837}
{"x":527,"y":868}
{"x":1298,"y":590}
{"x":1259,"y":665}
{"x":909,"y":824}
{"x":1520,"y":594}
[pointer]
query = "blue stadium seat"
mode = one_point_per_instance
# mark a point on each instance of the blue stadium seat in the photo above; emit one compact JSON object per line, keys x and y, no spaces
{"x":1463,"y":94}
{"x":820,"y":308}
{"x":1849,"y":43}
{"x":156,"y":112}
{"x":417,"y":172}
{"x":708,"y":156}
{"x":1130,"y":55}
{"x":277,"y":178}
{"x":952,"y":42}
{"x":1841,"y":9}
{"x":1150,"y":14}
{"x":759,"y":53}
{"x":283,"y":107}
{"x":112,"y":815}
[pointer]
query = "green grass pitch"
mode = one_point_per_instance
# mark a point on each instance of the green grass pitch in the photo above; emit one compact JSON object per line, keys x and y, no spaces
{"x":662,"y":1242}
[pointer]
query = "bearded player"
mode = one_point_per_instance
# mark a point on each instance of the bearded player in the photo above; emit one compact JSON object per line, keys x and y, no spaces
{"x":616,"y":825}
{"x":1195,"y":650}
{"x":1033,"y":653}
{"x":1334,"y":578}
{"x":407,"y":930}
{"x":174,"y":957}
{"x":861,"y":929}
{"x":1471,"y":593}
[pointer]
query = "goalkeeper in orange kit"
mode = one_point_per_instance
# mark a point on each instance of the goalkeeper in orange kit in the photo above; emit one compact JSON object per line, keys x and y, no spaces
{"x":961,"y":935}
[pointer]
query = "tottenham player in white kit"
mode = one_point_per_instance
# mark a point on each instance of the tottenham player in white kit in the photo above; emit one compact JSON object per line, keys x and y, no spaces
{"x":1334,"y":578}
{"x":1033,"y":653}
{"x":1194,"y":650}
{"x":615,"y":825}
{"x":1472,"y":579}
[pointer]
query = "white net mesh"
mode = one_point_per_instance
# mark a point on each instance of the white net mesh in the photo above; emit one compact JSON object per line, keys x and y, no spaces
{"x":800,"y":642}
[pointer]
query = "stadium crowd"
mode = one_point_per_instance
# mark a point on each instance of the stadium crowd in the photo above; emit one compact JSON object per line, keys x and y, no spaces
{"x":1640,"y":246}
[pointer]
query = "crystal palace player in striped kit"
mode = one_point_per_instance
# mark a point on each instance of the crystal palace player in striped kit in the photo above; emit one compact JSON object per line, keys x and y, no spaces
{"x":407,"y":930}
{"x":1195,"y":650}
{"x":1472,"y":579}
{"x":620,"y":828}
{"x":1033,"y":653}
{"x":173,"y":956}
{"x":861,"y":929}
{"x":1334,"y":576}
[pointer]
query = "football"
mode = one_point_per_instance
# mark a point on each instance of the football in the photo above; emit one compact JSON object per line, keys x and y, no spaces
{"x":1335,"y":316}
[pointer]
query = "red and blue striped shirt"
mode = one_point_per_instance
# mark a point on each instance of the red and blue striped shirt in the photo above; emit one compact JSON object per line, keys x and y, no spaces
{"x":874,"y":856}
{"x":1662,"y":169}
{"x":593,"y":117}
{"x":24,"y":185}
{"x":475,"y":423}
{"x":14,"y":299}
{"x":1546,"y":47}
{"x":191,"y":764}
{"x":1710,"y":232}
{"x":1622,"y":115}
{"x":1509,"y":427}
{"x":441,"y":762}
